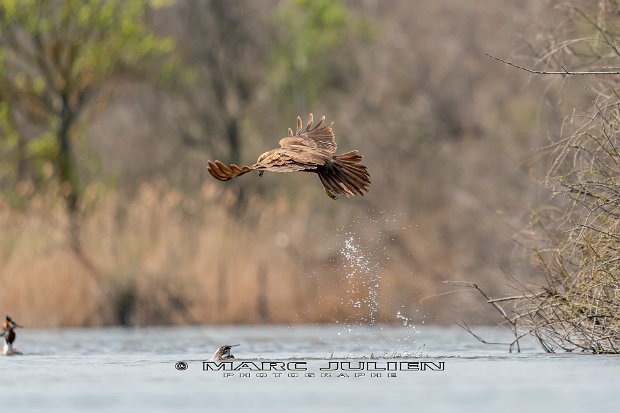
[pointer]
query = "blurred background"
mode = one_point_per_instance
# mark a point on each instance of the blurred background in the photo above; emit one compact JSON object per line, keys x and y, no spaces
{"x":109,"y":111}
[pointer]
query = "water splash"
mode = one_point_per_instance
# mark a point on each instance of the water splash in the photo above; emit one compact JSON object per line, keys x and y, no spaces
{"x":363,"y":278}
{"x":365,"y":255}
{"x":407,"y":322}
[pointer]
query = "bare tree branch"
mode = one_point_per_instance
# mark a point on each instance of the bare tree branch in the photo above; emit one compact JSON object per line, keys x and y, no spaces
{"x":513,"y":323}
{"x":564,"y":72}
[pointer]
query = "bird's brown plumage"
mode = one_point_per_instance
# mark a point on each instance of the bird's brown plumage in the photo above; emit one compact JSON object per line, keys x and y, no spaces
{"x":310,"y":149}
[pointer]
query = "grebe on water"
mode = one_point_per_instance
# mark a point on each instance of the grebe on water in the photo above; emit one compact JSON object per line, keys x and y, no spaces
{"x":223,"y":353}
{"x":8,"y":332}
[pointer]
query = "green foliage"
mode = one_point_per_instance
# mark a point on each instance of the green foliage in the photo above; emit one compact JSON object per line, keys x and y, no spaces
{"x":311,"y":54}
{"x":55,"y":56}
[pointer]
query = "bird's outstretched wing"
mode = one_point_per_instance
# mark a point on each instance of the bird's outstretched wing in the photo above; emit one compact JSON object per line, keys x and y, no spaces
{"x":277,"y":160}
{"x":309,"y":149}
{"x":321,"y":136}
{"x":224,"y":173}
{"x":290,"y":159}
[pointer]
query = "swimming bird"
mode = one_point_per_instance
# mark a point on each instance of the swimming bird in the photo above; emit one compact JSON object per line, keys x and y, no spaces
{"x":8,"y":332}
{"x":223,"y":353}
{"x":310,"y":149}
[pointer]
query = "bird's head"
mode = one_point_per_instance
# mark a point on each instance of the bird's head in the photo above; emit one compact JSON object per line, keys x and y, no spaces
{"x":223,"y":352}
{"x":9,"y":323}
{"x":226,"y":350}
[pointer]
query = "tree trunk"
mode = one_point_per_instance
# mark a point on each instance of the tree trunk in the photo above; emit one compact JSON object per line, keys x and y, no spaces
{"x":69,"y":183}
{"x":67,"y":173}
{"x":234,"y":145}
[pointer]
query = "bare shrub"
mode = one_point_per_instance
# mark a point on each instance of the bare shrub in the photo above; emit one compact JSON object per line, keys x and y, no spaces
{"x":576,"y":238}
{"x":580,"y":303}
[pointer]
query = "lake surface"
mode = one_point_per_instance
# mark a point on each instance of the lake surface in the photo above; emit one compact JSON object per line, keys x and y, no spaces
{"x":116,"y":369}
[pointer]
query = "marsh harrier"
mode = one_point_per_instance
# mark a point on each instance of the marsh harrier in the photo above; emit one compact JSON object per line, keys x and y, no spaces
{"x":310,"y":149}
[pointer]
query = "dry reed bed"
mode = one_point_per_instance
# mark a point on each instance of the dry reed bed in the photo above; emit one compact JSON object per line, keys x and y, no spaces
{"x":167,"y":257}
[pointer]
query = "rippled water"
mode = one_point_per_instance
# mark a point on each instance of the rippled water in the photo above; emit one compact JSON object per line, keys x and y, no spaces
{"x":127,"y":369}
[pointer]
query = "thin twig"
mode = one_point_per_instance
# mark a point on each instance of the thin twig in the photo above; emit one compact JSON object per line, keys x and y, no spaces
{"x":512,"y":298}
{"x":467,"y":328}
{"x":489,"y":299}
{"x":564,"y":72}
{"x":513,"y":324}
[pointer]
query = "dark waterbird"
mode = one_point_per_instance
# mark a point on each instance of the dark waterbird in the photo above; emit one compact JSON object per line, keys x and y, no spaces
{"x":224,"y":352}
{"x":8,"y":332}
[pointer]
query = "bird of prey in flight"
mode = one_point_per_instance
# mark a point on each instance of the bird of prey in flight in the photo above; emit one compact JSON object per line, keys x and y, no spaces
{"x":310,"y":149}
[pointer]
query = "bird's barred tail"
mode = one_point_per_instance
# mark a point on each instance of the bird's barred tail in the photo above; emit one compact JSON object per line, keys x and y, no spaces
{"x":345,"y":174}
